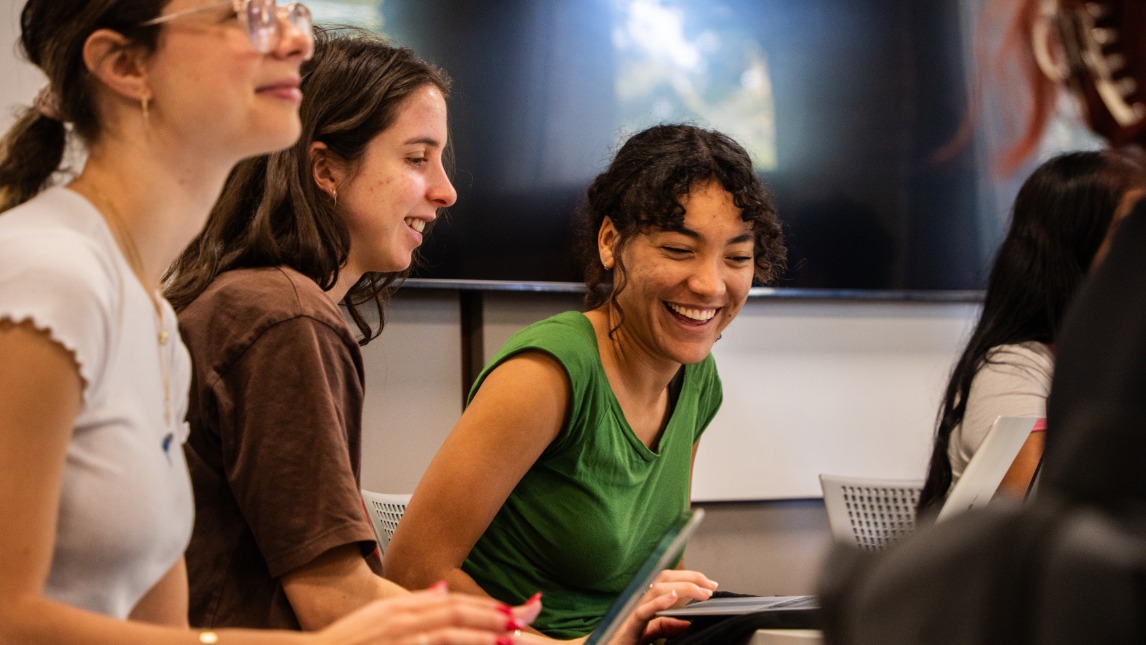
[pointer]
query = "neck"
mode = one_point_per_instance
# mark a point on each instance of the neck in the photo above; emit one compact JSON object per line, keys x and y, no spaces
{"x":626,"y":366}
{"x":161,"y":200}
{"x":347,"y":278}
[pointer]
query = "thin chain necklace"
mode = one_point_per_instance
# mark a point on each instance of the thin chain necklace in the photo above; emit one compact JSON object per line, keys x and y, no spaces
{"x":135,"y":261}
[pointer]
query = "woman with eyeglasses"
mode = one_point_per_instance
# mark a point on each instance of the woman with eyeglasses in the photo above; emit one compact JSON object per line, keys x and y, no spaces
{"x":96,"y":507}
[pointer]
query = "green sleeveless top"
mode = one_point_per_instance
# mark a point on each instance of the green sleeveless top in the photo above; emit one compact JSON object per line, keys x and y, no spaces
{"x":587,"y":513}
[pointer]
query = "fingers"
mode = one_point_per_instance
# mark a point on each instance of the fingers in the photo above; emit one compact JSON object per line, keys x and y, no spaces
{"x":458,"y":636}
{"x":687,"y":575}
{"x":632,"y":632}
{"x":528,"y":612}
{"x":664,"y":627}
{"x":433,"y":617}
{"x":688,"y":585}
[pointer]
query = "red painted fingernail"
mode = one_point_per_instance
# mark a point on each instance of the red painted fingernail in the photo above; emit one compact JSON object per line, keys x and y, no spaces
{"x":513,"y":624}
{"x":504,"y":640}
{"x":505,"y":609}
{"x":534,"y":598}
{"x":440,"y":586}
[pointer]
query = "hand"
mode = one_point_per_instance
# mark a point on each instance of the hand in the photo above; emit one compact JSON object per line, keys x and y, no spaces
{"x":432,"y":617}
{"x":643,"y":625}
{"x":688,"y":585}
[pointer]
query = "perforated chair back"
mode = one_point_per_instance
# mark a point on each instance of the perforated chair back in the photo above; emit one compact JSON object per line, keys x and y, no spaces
{"x":385,"y":511}
{"x":870,"y":513}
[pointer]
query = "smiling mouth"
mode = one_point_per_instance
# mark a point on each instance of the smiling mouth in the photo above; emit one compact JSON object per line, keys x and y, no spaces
{"x":692,"y":313}
{"x":418,"y":225}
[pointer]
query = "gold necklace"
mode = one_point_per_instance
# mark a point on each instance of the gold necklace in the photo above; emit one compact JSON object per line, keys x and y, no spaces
{"x":135,"y":261}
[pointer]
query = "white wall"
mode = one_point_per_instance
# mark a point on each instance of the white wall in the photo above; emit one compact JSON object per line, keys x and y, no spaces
{"x":19,"y":80}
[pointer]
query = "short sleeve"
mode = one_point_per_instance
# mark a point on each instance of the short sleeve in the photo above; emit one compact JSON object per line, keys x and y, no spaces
{"x":285,"y":442}
{"x":1014,"y":381}
{"x":710,"y":397}
{"x":60,"y":283}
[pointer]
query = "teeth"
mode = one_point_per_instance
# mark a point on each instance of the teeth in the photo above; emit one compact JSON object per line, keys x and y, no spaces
{"x":416,"y":224}
{"x":695,"y":314}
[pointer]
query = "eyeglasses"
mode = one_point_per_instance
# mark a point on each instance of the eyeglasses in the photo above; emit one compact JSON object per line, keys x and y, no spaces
{"x":259,"y":19}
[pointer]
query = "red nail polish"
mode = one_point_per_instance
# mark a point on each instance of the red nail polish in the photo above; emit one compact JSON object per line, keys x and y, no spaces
{"x":513,"y":624}
{"x":504,"y":640}
{"x":505,"y":609}
{"x":440,"y":586}
{"x":534,"y":598}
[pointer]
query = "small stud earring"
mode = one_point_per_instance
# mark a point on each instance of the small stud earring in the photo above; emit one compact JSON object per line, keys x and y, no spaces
{"x":334,"y":194}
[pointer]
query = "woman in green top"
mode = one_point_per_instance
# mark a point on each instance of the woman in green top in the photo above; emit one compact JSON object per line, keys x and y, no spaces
{"x":576,"y":449}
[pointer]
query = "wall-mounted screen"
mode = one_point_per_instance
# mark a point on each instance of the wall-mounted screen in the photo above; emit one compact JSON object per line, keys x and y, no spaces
{"x":842,"y":103}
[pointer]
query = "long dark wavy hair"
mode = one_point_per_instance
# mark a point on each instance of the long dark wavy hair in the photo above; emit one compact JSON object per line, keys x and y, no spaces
{"x":52,"y":37}
{"x":1060,"y":218}
{"x":641,"y":191}
{"x":272,"y":213}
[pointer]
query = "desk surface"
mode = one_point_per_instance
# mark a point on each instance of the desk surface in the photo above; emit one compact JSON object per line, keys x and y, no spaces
{"x":787,"y":637}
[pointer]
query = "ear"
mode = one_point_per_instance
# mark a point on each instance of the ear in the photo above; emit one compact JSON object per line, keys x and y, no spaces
{"x":607,"y":238}
{"x":118,"y":64}
{"x":326,"y":169}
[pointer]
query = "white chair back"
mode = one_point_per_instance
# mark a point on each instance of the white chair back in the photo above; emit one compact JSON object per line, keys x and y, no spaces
{"x":870,"y":513}
{"x":385,"y":510}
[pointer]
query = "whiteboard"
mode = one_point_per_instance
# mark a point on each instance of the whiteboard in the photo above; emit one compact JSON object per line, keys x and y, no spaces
{"x":848,"y":388}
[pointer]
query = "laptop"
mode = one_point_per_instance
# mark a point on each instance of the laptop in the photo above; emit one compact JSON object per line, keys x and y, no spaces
{"x":667,"y":549}
{"x":989,"y":465}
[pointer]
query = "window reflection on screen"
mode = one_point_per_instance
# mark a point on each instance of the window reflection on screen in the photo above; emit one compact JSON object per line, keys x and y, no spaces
{"x":692,"y":61}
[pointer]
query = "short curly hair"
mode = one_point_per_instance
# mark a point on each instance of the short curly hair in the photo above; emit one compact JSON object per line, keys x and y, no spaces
{"x":642,"y":188}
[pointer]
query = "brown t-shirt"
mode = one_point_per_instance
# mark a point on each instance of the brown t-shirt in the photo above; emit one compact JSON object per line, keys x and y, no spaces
{"x":274,"y":449}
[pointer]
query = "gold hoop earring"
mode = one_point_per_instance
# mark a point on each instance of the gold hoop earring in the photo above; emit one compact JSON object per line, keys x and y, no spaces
{"x":334,"y":195}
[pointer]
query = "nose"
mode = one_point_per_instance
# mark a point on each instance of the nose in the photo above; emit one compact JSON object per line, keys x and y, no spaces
{"x":441,"y":190}
{"x":296,"y":32}
{"x":707,"y":278}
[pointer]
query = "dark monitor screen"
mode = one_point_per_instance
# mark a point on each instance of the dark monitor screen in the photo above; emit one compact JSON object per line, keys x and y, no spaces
{"x":843,"y":105}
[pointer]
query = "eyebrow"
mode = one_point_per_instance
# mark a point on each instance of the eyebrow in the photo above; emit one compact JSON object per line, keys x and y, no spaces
{"x":688,"y":232}
{"x":429,"y":141}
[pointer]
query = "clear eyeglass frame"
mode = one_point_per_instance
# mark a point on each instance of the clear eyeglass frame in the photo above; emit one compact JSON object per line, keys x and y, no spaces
{"x":259,"y":19}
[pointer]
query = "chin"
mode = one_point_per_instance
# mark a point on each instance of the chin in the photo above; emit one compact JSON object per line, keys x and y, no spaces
{"x":279,"y":138}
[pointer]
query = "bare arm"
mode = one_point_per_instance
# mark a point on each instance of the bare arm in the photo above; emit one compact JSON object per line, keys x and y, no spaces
{"x":519,"y":410}
{"x":333,"y":585}
{"x":1018,"y":478}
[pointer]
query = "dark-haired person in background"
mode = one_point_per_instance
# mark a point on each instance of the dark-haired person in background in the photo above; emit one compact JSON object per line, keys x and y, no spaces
{"x":280,"y":537}
{"x":576,"y":449}
{"x":1067,"y":567}
{"x":1061,"y":224}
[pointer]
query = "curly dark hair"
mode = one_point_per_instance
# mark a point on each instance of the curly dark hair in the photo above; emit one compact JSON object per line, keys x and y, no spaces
{"x":641,"y":191}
